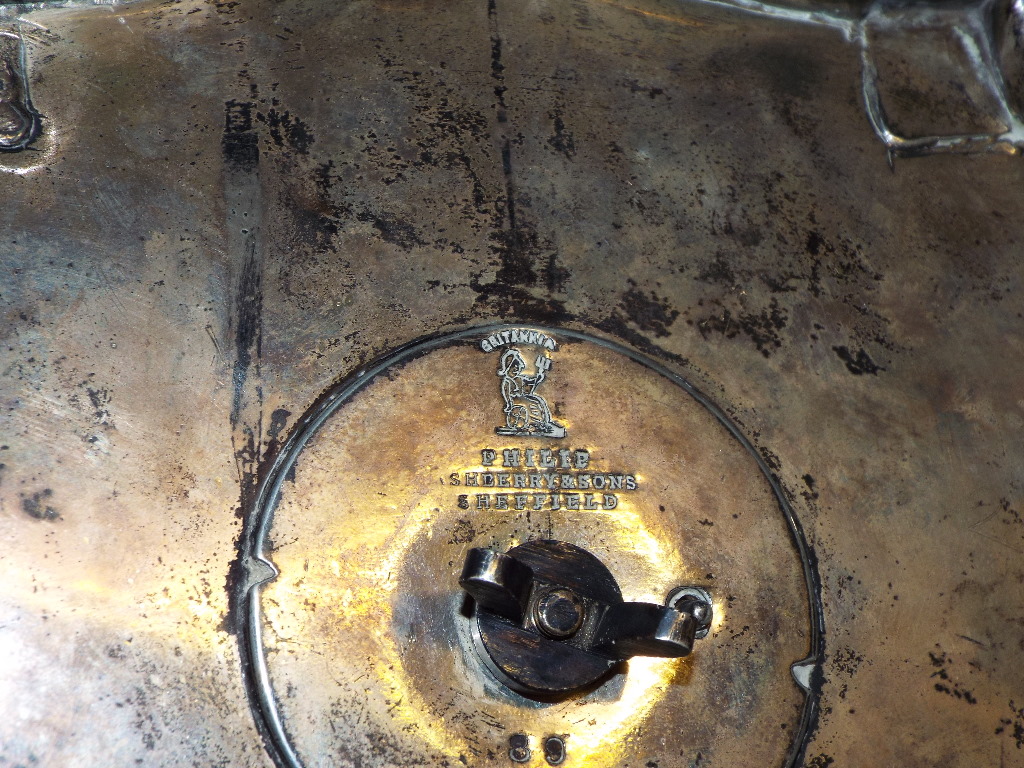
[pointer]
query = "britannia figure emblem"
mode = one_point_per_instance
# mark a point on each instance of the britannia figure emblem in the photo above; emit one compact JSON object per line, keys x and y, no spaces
{"x":526,"y":412}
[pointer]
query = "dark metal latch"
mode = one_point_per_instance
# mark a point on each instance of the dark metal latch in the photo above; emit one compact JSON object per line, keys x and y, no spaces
{"x":551,"y":620}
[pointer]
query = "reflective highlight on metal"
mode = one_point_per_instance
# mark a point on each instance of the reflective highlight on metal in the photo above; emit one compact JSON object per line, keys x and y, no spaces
{"x":384,"y":484}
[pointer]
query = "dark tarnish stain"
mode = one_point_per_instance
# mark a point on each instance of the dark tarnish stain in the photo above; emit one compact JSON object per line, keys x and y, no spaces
{"x":497,"y":67}
{"x":462,"y":533}
{"x":506,"y":294}
{"x":771,"y":459}
{"x":814,"y":243}
{"x":788,"y":77}
{"x":145,"y":721}
{"x":239,"y":142}
{"x":845,"y":662}
{"x":651,"y":92}
{"x":821,"y":761}
{"x":718,"y":271}
{"x":617,"y":325}
{"x":810,"y":495}
{"x":241,"y":154}
{"x":1014,"y":724}
{"x":278,"y":421}
{"x":941,"y":662}
{"x":649,"y":313}
{"x":762,"y":327}
{"x":371,"y":746}
{"x":524,"y":261}
{"x":248,"y":328}
{"x":116,"y":652}
{"x":555,"y":275}
{"x":315,"y":216}
{"x":286,"y":129}
{"x":99,"y":398}
{"x":831,"y":270}
{"x":240,"y":146}
{"x":788,"y":71}
{"x":445,"y":133}
{"x":392,"y":229}
{"x":36,"y":506}
{"x":562,"y":139}
{"x":1011,"y":516}
{"x":518,"y":243}
{"x":857,"y":363}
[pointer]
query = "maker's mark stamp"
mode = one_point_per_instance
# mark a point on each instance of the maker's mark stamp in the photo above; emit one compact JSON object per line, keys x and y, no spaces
{"x":527,"y":413}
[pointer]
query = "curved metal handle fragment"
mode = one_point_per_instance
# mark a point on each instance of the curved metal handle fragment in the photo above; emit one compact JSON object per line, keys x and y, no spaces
{"x":19,"y":121}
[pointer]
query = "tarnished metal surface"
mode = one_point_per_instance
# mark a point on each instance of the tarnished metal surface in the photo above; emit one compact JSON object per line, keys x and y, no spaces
{"x":359,"y":646}
{"x":233,"y":206}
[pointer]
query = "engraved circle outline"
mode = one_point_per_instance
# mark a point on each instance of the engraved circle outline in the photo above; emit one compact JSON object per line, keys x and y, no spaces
{"x":258,"y":569}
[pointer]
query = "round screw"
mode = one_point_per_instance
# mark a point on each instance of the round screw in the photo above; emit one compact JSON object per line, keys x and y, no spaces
{"x":700,"y":611}
{"x":559,"y":613}
{"x":696,"y":601}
